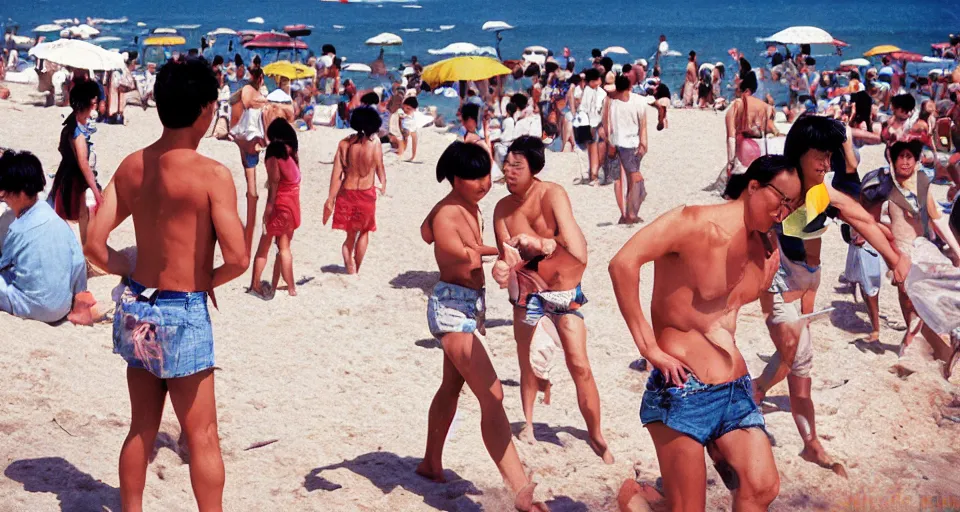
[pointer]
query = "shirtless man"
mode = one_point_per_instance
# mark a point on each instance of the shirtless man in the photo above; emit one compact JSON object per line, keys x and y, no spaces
{"x":690,"y":81}
{"x":709,"y":261}
{"x":537,"y":219}
{"x":352,"y":200}
{"x":182,"y":204}
{"x":455,"y":312}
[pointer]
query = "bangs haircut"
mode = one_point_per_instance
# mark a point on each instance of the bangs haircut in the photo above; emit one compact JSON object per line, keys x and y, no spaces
{"x":811,"y":131}
{"x":763,"y":170}
{"x":183,"y":90}
{"x":530,"y":148}
{"x":470,"y":111}
{"x":283,"y":140}
{"x":83,"y":94}
{"x":464,"y":161}
{"x":21,"y":172}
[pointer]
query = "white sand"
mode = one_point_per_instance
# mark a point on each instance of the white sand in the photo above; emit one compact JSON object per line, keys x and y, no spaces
{"x":342,"y":375}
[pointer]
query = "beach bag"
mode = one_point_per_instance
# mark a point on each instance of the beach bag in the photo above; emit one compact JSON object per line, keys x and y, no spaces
{"x":876,"y":186}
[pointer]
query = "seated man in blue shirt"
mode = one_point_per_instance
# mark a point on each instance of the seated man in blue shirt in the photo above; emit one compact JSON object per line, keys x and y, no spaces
{"x":42,"y":266}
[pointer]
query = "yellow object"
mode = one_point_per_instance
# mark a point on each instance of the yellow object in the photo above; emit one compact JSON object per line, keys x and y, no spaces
{"x":164,"y":41}
{"x":883,"y":49}
{"x":814,"y":205}
{"x":289,"y":70}
{"x":463,"y":68}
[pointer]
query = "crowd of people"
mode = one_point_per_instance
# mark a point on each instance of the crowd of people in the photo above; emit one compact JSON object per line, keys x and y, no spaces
{"x":782,"y":192}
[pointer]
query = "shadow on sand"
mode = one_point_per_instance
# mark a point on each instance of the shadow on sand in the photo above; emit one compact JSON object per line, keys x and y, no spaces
{"x":416,"y":279}
{"x":76,"y":490}
{"x":388,"y":471}
{"x":547,"y":434}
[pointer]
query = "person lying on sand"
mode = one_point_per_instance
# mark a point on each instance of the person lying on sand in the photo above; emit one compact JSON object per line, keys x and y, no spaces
{"x":455,"y":312}
{"x":183,"y":204}
{"x":709,"y":261}
{"x":537,"y":219}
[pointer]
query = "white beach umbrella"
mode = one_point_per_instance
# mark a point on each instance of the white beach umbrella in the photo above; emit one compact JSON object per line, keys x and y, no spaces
{"x":67,"y":21}
{"x":357,"y":67}
{"x":164,"y":30}
{"x":48,"y":27}
{"x":536,"y":50}
{"x":222,"y":32}
{"x":801,"y":35}
{"x":106,"y":39}
{"x":858,"y":62}
{"x":141,"y":24}
{"x":78,"y":54}
{"x":83,"y":31}
{"x":463,"y":49}
{"x":615,"y":49}
{"x":496,"y":26}
{"x":258,"y":20}
{"x":187,"y":27}
{"x":385,"y":39}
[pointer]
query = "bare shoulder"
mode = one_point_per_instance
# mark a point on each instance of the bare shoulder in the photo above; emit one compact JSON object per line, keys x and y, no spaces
{"x":130,"y":164}
{"x":504,"y":207}
{"x":554,"y":191}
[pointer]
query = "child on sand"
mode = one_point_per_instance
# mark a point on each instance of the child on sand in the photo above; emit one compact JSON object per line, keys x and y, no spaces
{"x":353,"y":196}
{"x":455,"y":311}
{"x":183,"y":204}
{"x":282,"y":214}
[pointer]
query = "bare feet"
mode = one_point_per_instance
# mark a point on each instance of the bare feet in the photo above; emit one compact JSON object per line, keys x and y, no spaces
{"x":292,"y":290}
{"x":526,"y":434}
{"x":524,"y":500}
{"x":83,"y":309}
{"x":599,"y":446}
{"x":430,"y":473}
{"x":638,"y":497}
{"x":814,"y":452}
{"x":949,"y":364}
{"x":544,"y":387}
{"x":873,"y":338}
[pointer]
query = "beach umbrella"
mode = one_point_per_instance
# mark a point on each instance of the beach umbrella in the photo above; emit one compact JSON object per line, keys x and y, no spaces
{"x":78,"y":54}
{"x":49,"y":27}
{"x":357,"y":67}
{"x":840,"y":44}
{"x":141,"y":24}
{"x":463,"y":68}
{"x":222,"y":32}
{"x":83,"y":31}
{"x":616,"y":50}
{"x":291,"y":70}
{"x":385,"y":39}
{"x":258,"y":20}
{"x":857,"y":63}
{"x":463,"y":49}
{"x":801,"y":35}
{"x":883,"y":49}
{"x":541,"y":50}
{"x":164,"y":30}
{"x":907,"y":56}
{"x":496,"y":26}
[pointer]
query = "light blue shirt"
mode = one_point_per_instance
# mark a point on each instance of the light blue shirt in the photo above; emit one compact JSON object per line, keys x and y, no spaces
{"x":41,"y":266}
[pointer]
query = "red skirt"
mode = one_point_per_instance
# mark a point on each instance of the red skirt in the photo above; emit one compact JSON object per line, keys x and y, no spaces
{"x":285,"y":217}
{"x":356,"y":210}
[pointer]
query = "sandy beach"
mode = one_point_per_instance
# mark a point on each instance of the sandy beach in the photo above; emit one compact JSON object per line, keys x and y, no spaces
{"x":341,"y":376}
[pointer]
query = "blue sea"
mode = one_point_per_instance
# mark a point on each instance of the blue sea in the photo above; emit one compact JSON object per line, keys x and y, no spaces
{"x":710,"y":28}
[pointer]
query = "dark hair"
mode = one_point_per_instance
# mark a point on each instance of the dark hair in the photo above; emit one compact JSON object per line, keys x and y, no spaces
{"x":182,"y":91}
{"x":913,"y":146}
{"x":412,"y":102}
{"x":217,"y":60}
{"x":370,"y":98}
{"x":854,"y":75}
{"x":811,"y":131}
{"x":366,"y":121}
{"x":692,"y":54}
{"x":337,"y":62}
{"x":810,"y":61}
{"x":520,"y":100}
{"x":470,"y":111}
{"x":626,"y":68}
{"x":282,"y":136}
{"x":551,"y":66}
{"x":464,"y":161}
{"x":238,"y":60}
{"x":327,"y":48}
{"x":591,"y":74}
{"x":82,"y":94}
{"x":531,"y":148}
{"x":511,"y":109}
{"x":622,"y":83}
{"x":763,"y":170}
{"x":748,"y":82}
{"x":607,"y":63}
{"x":864,"y":104}
{"x":574,"y":80}
{"x":21,"y":172}
{"x":596,"y":53}
{"x":256,"y":74}
{"x":903,"y":102}
{"x":532,"y":70}
{"x":256,"y":60}
{"x":550,"y":129}
{"x":776,"y":60}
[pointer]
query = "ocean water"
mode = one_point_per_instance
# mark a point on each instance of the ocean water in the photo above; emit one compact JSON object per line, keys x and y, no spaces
{"x":710,"y":28}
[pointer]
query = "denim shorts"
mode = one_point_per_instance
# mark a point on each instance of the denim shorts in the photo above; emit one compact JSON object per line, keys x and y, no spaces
{"x":168,"y":334}
{"x":452,"y":308}
{"x":541,"y":304}
{"x":704,"y":412}
{"x":250,"y":161}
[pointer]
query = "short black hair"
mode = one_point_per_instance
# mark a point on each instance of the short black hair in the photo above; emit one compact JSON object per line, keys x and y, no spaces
{"x":748,"y":82}
{"x":217,"y":60}
{"x":183,"y":90}
{"x":470,"y":111}
{"x":530,"y":148}
{"x":281,"y":136}
{"x":328,"y":48}
{"x":574,"y":80}
{"x":904,"y":102}
{"x":532,"y":70}
{"x":21,"y":172}
{"x":256,"y":60}
{"x":370,"y":98}
{"x":627,"y":68}
{"x":913,"y":146}
{"x":82,"y":94}
{"x":811,"y":131}
{"x":591,"y":74}
{"x":511,"y":109}
{"x":366,"y":121}
{"x":596,"y":53}
{"x":607,"y":63}
{"x":622,"y":83}
{"x":412,"y":102}
{"x":763,"y":170}
{"x":520,"y":100}
{"x":810,"y":61}
{"x":464,"y":161}
{"x":238,"y":60}
{"x":693,"y":54}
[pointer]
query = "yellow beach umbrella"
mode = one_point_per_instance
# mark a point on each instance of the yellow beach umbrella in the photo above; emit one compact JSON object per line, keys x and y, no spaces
{"x":883,"y":49}
{"x":164,"y":41}
{"x":463,"y":68}
{"x":291,"y":70}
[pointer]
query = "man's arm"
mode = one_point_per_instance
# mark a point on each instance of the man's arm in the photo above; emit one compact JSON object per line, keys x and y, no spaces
{"x":447,"y":225}
{"x":570,"y":233}
{"x":228,"y":228}
{"x":642,"y":118}
{"x":852,"y":213}
{"x":111,"y":213}
{"x":663,"y":236}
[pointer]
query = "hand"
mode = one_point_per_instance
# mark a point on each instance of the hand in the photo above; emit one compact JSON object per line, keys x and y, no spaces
{"x":327,"y":210}
{"x":902,"y":269}
{"x":673,"y":370}
{"x":641,"y":150}
{"x":501,"y":273}
{"x":532,"y":246}
{"x":383,"y":190}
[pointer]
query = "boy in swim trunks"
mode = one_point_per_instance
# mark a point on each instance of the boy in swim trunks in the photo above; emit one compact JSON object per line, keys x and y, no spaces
{"x":455,"y":313}
{"x":537,"y":219}
{"x":182,"y":205}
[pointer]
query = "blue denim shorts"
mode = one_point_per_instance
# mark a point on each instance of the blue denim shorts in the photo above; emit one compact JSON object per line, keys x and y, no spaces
{"x":454,"y":308}
{"x":250,"y":161}
{"x":541,"y":304}
{"x":168,"y":334}
{"x":704,"y":412}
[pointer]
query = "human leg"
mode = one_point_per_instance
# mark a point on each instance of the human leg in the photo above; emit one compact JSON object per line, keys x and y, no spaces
{"x":147,"y":396}
{"x":682,"y":467}
{"x":361,"y":248}
{"x":260,"y":262}
{"x":194,"y":401}
{"x":442,"y":410}
{"x":873,"y":311}
{"x":594,"y":158}
{"x":636,"y":194}
{"x":748,"y":455}
{"x":347,"y":251}
{"x":618,"y":193}
{"x":523,"y":333}
{"x":804,"y":415}
{"x":285,"y":259}
{"x":573,"y":337}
